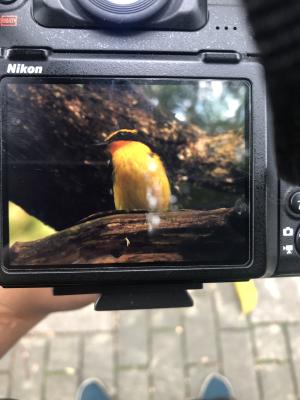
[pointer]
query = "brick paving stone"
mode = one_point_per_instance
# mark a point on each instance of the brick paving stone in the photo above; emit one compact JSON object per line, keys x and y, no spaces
{"x":270,"y":343}
{"x":167,"y":366}
{"x":98,"y":359}
{"x":63,"y":353}
{"x":200,"y":330}
{"x":279,"y":300}
{"x":84,"y":320}
{"x":229,"y":311}
{"x":208,"y":287}
{"x":133,"y":385}
{"x":197,"y":375}
{"x":238,"y":364}
{"x":276,"y":382}
{"x":4,"y":385}
{"x":181,"y":343}
{"x":28,"y":368}
{"x":5,"y":362}
{"x":168,"y":318}
{"x":294,"y":339}
{"x":60,"y":387}
{"x":133,"y":338}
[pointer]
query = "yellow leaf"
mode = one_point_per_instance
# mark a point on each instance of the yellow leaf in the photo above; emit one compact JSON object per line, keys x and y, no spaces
{"x":248,"y":296}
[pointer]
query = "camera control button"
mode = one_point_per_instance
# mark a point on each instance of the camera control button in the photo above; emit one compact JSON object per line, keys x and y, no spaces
{"x":297,"y":241}
{"x":295,"y":203}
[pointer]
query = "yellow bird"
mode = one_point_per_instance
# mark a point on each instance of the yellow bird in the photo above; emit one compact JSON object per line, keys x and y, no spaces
{"x":140,"y":181}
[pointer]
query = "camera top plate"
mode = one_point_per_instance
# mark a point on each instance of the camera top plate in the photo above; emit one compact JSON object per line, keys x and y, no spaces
{"x":227,"y":29}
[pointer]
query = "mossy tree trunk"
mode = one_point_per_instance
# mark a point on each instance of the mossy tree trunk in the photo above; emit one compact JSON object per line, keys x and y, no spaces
{"x":57,"y":174}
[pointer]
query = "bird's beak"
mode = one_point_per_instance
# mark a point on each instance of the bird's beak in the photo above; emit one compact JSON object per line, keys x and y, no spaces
{"x":98,"y":143}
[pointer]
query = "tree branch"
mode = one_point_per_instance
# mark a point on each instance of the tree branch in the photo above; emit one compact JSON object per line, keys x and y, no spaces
{"x":186,"y":235}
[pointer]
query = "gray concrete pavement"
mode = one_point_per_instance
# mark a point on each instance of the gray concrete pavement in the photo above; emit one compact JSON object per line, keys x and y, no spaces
{"x":165,"y":354}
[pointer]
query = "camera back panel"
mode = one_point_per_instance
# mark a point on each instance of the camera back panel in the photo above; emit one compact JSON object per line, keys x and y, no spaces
{"x":151,"y":61}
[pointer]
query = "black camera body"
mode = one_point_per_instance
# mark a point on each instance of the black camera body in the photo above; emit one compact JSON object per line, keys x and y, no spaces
{"x":59,"y":59}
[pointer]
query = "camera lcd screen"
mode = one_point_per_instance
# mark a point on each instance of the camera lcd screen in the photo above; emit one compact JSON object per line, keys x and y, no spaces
{"x":118,"y":172}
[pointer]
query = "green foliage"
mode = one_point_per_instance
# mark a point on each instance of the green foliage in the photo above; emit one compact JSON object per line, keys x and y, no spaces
{"x":215,"y":105}
{"x":24,"y":228}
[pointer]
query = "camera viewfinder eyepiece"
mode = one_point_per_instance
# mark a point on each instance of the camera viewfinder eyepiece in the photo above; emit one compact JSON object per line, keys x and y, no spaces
{"x":122,"y":11}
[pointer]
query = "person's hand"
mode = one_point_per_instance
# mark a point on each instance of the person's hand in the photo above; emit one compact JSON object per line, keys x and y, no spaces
{"x":38,"y":302}
{"x":21,"y":309}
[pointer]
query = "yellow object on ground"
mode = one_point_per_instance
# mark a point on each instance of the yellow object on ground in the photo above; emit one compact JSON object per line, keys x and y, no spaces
{"x":248,"y":296}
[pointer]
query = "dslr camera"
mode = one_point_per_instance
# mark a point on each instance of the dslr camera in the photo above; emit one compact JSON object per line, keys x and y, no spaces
{"x":136,"y":151}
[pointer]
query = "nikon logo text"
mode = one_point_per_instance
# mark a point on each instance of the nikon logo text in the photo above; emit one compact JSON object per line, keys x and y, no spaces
{"x":24,"y":69}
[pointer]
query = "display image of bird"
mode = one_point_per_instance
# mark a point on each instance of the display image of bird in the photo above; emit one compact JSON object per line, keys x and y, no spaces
{"x":140,"y":180}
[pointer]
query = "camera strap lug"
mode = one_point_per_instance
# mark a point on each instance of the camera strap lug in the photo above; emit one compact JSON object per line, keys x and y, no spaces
{"x":221,"y":57}
{"x":27,"y":54}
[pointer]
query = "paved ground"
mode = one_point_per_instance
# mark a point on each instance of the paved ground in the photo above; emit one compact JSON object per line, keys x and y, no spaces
{"x":165,"y":354}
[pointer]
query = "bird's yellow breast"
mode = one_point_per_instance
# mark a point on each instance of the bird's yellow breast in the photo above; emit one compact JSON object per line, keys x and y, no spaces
{"x":140,"y":179}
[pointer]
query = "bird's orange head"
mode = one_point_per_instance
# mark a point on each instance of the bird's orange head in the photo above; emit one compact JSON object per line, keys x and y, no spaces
{"x":122,"y":137}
